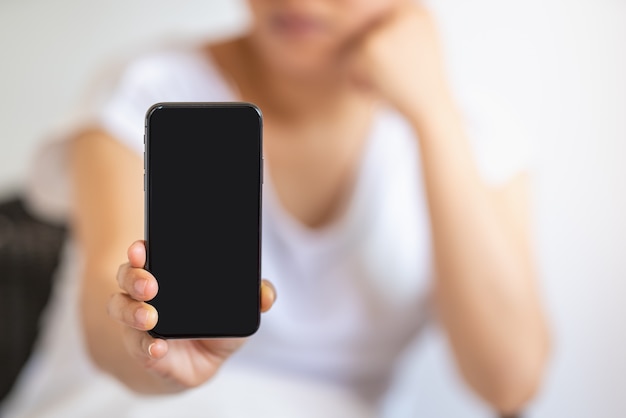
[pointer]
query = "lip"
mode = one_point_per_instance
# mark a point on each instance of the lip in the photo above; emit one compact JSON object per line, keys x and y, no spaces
{"x":297,"y":24}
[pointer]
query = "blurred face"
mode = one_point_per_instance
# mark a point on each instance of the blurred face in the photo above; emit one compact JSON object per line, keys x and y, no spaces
{"x":304,"y":37}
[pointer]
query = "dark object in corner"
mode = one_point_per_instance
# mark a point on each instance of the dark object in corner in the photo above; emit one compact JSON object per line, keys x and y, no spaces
{"x":29,"y":254}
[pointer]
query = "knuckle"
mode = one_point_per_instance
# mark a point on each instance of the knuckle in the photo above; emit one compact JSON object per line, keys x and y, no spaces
{"x":131,"y":277}
{"x":134,"y":342}
{"x":109,"y":305}
{"x":129,"y":280}
{"x":120,"y":273}
{"x":114,"y":305}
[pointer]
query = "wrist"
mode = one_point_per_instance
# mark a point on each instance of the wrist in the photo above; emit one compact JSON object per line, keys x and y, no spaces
{"x":439,"y":112}
{"x":422,"y":105}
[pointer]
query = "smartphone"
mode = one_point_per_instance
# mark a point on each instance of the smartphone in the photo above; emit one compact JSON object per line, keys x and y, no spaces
{"x":203,"y":181}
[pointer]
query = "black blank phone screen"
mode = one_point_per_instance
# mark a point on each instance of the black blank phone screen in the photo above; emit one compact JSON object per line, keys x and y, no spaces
{"x":203,"y":211}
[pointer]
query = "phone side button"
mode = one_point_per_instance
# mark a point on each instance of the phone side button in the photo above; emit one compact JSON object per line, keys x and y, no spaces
{"x":144,"y":182}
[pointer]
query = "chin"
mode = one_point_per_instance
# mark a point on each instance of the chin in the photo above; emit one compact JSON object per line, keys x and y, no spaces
{"x":297,"y":59}
{"x":296,"y":55}
{"x":302,"y":66}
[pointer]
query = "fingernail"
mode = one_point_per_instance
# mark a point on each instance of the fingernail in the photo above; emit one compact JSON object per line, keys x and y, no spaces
{"x":141,"y":316}
{"x":140,"y":286}
{"x":150,"y":349}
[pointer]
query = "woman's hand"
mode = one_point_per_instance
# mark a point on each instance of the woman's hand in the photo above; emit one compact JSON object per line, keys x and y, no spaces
{"x":399,"y":57}
{"x":179,"y":363}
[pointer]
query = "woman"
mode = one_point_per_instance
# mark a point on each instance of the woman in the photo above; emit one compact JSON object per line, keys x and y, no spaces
{"x":378,"y":206}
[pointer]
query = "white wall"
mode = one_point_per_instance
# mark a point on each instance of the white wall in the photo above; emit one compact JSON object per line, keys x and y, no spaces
{"x":561,"y":63}
{"x":50,"y":51}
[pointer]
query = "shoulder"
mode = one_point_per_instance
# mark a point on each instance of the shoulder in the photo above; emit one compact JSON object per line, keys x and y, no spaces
{"x":166,"y":61}
{"x":116,"y":102}
{"x":181,"y":74}
{"x":177,"y":71}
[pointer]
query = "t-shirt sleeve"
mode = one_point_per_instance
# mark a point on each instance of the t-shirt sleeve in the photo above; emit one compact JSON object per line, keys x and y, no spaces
{"x":117,"y":102}
{"x":122,"y":111}
{"x":160,"y":77}
{"x":501,"y":145}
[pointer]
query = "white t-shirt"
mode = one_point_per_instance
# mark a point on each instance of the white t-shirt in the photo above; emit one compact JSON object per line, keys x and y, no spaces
{"x":352,"y":294}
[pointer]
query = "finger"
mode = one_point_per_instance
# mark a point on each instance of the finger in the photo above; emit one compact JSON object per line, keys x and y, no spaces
{"x":268,"y":295}
{"x":143,"y":346}
{"x":132,"y":313}
{"x":140,"y":284}
{"x":137,"y":254}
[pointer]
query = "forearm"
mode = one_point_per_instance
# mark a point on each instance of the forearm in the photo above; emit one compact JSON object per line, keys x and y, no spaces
{"x":485,"y":289}
{"x":107,"y":215}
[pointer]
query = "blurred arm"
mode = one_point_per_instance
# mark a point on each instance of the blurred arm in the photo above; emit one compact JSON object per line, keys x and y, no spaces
{"x":486,"y":290}
{"x":107,"y":215}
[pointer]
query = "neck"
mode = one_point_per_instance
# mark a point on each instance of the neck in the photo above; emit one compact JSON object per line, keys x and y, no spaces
{"x":293,"y":97}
